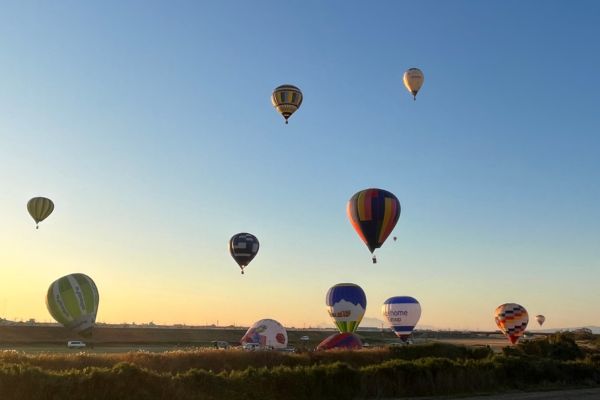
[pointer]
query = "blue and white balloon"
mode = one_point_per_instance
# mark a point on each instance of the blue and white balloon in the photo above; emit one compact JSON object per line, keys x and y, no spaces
{"x":346,"y":304}
{"x":402,"y":314}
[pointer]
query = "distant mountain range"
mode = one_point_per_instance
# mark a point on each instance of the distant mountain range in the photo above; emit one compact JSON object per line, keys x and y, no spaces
{"x":595,"y":329}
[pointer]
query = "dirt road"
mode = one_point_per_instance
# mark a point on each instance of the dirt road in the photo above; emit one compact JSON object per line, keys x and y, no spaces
{"x":574,"y":394}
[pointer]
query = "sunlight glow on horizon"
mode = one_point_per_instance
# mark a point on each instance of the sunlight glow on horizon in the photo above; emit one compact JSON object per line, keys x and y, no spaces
{"x":152,"y":130}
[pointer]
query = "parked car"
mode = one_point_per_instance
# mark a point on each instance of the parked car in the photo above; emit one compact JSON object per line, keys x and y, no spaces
{"x":289,"y":349}
{"x":75,"y":344}
{"x":251,"y":346}
{"x":220,"y":344}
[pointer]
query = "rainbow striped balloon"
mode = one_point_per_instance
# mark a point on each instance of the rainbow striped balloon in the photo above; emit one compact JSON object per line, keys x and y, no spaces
{"x":373,"y":214}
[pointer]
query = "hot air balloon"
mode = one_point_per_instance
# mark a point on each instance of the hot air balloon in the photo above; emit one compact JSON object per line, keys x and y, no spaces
{"x":286,"y":99}
{"x":413,"y":80}
{"x":540,"y":319}
{"x":402,"y":314}
{"x":73,"y":301}
{"x":342,"y":341}
{"x":373,"y":214}
{"x":346,"y":304}
{"x":243,"y":248}
{"x":512,"y":320}
{"x":40,"y":208}
{"x":267,"y":333}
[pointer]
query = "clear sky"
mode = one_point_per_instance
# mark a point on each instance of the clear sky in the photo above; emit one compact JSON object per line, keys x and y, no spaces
{"x":149,"y":124}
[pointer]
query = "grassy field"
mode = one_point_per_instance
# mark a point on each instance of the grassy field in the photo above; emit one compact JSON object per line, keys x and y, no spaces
{"x":392,"y":372}
{"x":110,"y":339}
{"x":167,"y":338}
{"x":157,"y":363}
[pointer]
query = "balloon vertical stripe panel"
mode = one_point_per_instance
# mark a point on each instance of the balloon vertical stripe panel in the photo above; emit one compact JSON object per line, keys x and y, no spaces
{"x":89,"y":292}
{"x":387,"y":225}
{"x":347,"y":326}
{"x":364,"y":205}
{"x":351,"y":209}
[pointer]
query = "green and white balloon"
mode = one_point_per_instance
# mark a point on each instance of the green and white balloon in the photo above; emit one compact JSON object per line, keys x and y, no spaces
{"x":73,"y":302}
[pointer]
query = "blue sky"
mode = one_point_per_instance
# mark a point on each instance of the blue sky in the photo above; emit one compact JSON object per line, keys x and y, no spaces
{"x":150,"y":125}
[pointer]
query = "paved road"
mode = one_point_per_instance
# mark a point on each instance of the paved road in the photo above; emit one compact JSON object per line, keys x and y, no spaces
{"x":575,"y":394}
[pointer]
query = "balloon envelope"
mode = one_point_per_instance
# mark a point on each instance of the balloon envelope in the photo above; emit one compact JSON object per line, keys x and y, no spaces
{"x":413,"y":80}
{"x":512,"y":319}
{"x":540,"y":319}
{"x":243,"y":247}
{"x":73,"y":302}
{"x":267,"y":333}
{"x":344,"y":340}
{"x":346,"y":304}
{"x":402,"y":314}
{"x":373,"y":213}
{"x":287,"y":99}
{"x":40,"y":208}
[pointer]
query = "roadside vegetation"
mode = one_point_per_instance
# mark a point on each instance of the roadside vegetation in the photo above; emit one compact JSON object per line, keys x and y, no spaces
{"x":430,"y":369}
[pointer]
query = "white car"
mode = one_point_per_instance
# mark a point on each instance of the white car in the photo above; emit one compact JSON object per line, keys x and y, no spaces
{"x":75,"y":344}
{"x":251,"y":346}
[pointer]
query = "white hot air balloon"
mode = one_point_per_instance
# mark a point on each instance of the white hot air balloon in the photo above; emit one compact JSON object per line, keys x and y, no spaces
{"x":402,"y":314}
{"x":266,"y":333}
{"x":413,"y":80}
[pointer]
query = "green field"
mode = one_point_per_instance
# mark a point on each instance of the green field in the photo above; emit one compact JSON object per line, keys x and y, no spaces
{"x":55,"y":337}
{"x":116,"y":339}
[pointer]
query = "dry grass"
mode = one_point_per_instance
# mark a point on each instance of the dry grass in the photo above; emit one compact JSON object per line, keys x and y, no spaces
{"x":235,"y":359}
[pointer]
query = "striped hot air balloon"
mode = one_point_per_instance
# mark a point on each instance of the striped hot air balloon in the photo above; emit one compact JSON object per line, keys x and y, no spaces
{"x":373,"y":214}
{"x":73,"y":302}
{"x":39,"y":208}
{"x":512,"y":319}
{"x":286,"y":99}
{"x":346,"y":304}
{"x":243,"y":248}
